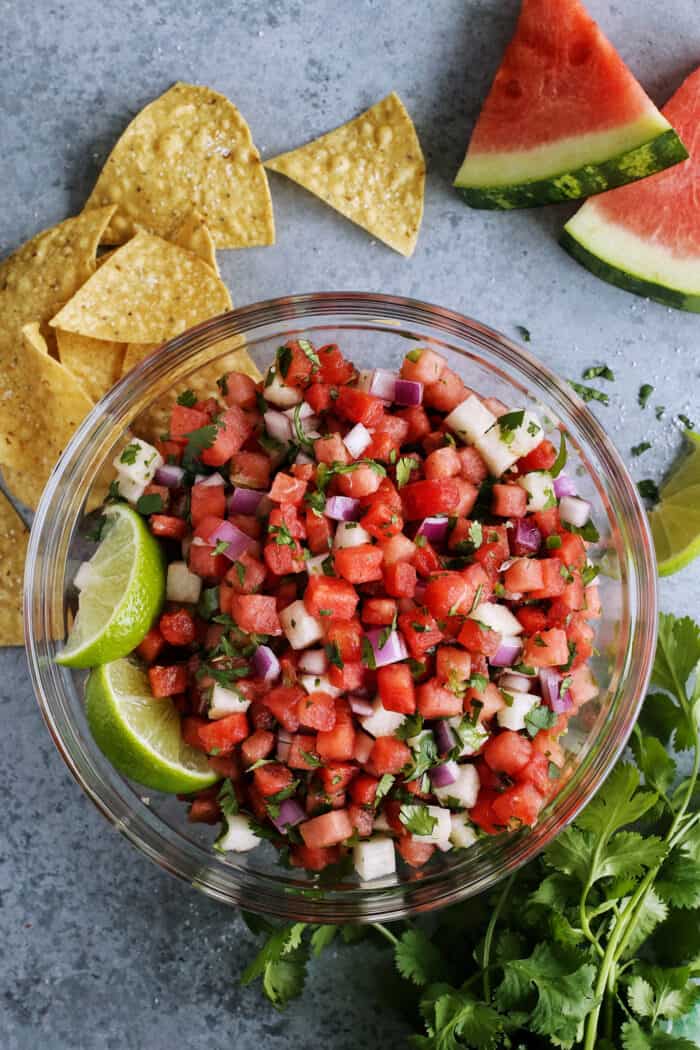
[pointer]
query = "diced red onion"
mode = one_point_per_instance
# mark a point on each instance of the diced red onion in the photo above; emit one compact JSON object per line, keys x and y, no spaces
{"x":342,"y":508}
{"x":169,"y":475}
{"x":357,"y":440}
{"x":564,"y":486}
{"x":393,"y":650}
{"x":266,"y":663}
{"x":550,"y":682}
{"x":574,"y":511}
{"x":445,"y":774}
{"x":313,"y":661}
{"x":434,"y":529}
{"x":283,"y":749}
{"x":507,"y":652}
{"x":383,"y":384}
{"x":277,"y":425}
{"x":360,"y":707}
{"x":229,"y":533}
{"x":290,"y":814}
{"x":244,"y":501}
{"x":408,"y":392}
{"x":527,"y":538}
{"x":518,"y":682}
{"x":444,"y":736}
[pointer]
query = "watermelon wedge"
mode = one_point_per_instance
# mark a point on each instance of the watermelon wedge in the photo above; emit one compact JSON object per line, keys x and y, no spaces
{"x":564,"y":117}
{"x":646,"y":237}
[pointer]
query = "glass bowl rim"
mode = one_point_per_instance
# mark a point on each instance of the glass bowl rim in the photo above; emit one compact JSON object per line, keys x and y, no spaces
{"x":188,"y":860}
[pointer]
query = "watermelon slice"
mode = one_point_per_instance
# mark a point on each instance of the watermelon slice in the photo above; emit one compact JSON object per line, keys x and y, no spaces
{"x":564,"y":117}
{"x":646,"y":237}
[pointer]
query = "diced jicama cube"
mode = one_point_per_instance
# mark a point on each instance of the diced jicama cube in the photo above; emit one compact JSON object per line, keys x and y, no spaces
{"x":314,"y":566}
{"x":182,"y":585}
{"x":496,"y":453}
{"x":498,"y":618}
{"x":226,"y":702}
{"x":540,"y":490}
{"x":527,"y":435}
{"x":350,"y":534}
{"x":318,"y":683}
{"x":441,"y":828}
{"x":471,"y":737}
{"x":138,"y":462}
{"x":518,"y":706}
{"x":301,"y":628}
{"x":82,"y":576}
{"x":374,"y":859}
{"x":381,"y":722}
{"x":277,"y":393}
{"x":464,"y":789}
{"x":237,"y":837}
{"x":463,"y":833}
{"x":470,"y":420}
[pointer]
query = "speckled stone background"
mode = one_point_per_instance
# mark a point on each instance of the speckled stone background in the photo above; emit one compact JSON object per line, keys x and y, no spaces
{"x":98,"y":949}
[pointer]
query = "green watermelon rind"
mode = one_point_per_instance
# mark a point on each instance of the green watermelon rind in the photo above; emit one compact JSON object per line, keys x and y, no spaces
{"x":650,"y":157}
{"x":627,"y":280}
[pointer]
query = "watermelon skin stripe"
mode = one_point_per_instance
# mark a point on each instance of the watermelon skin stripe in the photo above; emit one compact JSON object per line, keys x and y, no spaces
{"x":650,"y":157}
{"x":629,"y":281}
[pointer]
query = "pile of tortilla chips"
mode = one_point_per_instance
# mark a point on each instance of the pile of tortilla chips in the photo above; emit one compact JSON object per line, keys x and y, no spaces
{"x":184,"y":179}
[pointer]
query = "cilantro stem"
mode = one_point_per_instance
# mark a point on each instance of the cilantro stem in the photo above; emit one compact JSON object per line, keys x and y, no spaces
{"x":488,"y":939}
{"x":385,"y":932}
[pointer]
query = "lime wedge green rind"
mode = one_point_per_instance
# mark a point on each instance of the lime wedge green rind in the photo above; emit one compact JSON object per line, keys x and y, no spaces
{"x":675,"y":521}
{"x":688,"y":471}
{"x":140,"y":735}
{"x":661,"y":151}
{"x":125,"y":592}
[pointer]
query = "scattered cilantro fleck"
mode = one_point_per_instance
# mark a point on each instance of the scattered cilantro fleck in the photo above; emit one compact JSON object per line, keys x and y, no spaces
{"x":130,"y":453}
{"x":368,"y":657}
{"x":420,"y":541}
{"x":641,"y":447}
{"x":562,"y":456}
{"x":539,"y":717}
{"x":599,"y":372}
{"x":240,"y":572}
{"x":478,"y":682}
{"x":648,"y":489}
{"x":227,"y":798}
{"x":553,"y":771}
{"x":306,"y":348}
{"x":333,"y":654}
{"x":588,"y":532}
{"x":383,"y":787}
{"x":310,"y":758}
{"x":220,"y":547}
{"x":476,"y":534}
{"x":687,"y":423}
{"x":523,"y":332}
{"x":414,"y":356}
{"x":222,"y":383}
{"x":410,"y":727}
{"x":299,"y":431}
{"x":417,"y":819}
{"x":113,"y":492}
{"x":283,"y":360}
{"x":150,"y":504}
{"x":659,"y":411}
{"x":188,"y":398}
{"x":197,"y":441}
{"x":588,"y":393}
{"x":553,"y":542}
{"x":404,"y":468}
{"x":509,"y":423}
{"x":208,"y":602}
{"x":645,"y":392}
{"x":282,"y":536}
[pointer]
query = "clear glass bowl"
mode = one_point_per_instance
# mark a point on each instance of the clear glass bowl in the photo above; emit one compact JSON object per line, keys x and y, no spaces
{"x":373,"y":330}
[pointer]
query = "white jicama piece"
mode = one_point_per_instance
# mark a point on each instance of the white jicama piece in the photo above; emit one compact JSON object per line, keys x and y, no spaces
{"x":574,"y":511}
{"x":441,"y":828}
{"x":519,"y":706}
{"x":301,"y":628}
{"x":226,"y":702}
{"x":82,"y":576}
{"x":465,"y":788}
{"x":414,"y":742}
{"x":496,"y":453}
{"x":539,"y":486}
{"x":130,"y":490}
{"x":277,"y":393}
{"x":314,"y":566}
{"x":527,"y":435}
{"x":237,"y":837}
{"x":470,"y":737}
{"x":381,"y":722}
{"x":470,"y":420}
{"x":374,"y":859}
{"x":313,"y":661}
{"x":357,"y":440}
{"x":317,"y":683}
{"x":498,"y":618}
{"x":350,"y":534}
{"x":463,"y":832}
{"x":138,"y":462}
{"x":182,"y":585}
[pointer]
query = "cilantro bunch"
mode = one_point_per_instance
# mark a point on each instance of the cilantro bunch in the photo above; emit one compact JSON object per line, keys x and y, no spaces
{"x":595,"y":944}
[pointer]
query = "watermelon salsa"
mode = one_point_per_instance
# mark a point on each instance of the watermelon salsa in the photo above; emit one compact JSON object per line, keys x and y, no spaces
{"x":379,"y":606}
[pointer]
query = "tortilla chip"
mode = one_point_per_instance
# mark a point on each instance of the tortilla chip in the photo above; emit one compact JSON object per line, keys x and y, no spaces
{"x":97,"y":363}
{"x":371,"y":170}
{"x":104,"y":256}
{"x":189,"y":150}
{"x":194,"y":235}
{"x":32,"y":334}
{"x":14,"y":537}
{"x":155,"y":420}
{"x":148,"y":292}
{"x":48,"y":270}
{"x":42,"y":403}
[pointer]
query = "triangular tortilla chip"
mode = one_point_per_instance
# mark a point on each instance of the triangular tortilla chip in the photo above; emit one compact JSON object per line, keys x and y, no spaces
{"x":97,"y":363}
{"x":14,"y":537}
{"x":371,"y":170}
{"x":46,"y":271}
{"x":32,"y":334}
{"x":189,"y":150}
{"x":195,"y":236}
{"x":149,"y":291}
{"x":155,"y":420}
{"x":41,"y":405}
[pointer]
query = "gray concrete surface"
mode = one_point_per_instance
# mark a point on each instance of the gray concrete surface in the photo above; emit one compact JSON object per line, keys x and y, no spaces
{"x":99,"y":949}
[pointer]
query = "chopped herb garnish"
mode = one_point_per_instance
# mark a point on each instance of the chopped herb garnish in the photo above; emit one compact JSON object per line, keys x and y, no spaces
{"x":478,"y":682}
{"x":588,"y":532}
{"x":208,"y":602}
{"x":283,"y":359}
{"x":539,"y":717}
{"x":562,"y":456}
{"x":240,"y":571}
{"x":404,"y":468}
{"x":301,"y":436}
{"x":307,"y":349}
{"x":222,"y":383}
{"x":599,"y":372}
{"x":384,"y":786}
{"x":417,"y":820}
{"x":687,"y":423}
{"x":509,"y":423}
{"x":197,"y":441}
{"x":420,"y":541}
{"x":523,"y":332}
{"x":413,"y":356}
{"x":188,"y":398}
{"x":641,"y":447}
{"x":220,"y":548}
{"x":311,"y":760}
{"x":476,"y":534}
{"x":333,"y":654}
{"x":588,"y":393}
{"x":227,"y":798}
{"x":150,"y":504}
{"x":410,"y":727}
{"x":368,"y":658}
{"x":282,"y":536}
{"x":645,"y":392}
{"x":589,"y":574}
{"x":648,"y":489}
{"x":553,"y":542}
{"x":659,"y":411}
{"x":130,"y":453}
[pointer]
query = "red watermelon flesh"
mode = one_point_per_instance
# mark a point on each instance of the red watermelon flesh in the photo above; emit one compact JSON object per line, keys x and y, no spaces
{"x":560,"y":76}
{"x":665,"y":208}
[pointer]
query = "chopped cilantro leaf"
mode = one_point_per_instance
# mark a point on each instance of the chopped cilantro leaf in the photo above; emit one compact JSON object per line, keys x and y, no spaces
{"x":417,"y":819}
{"x":333,"y":654}
{"x":523,"y":332}
{"x":553,"y":542}
{"x":648,"y":489}
{"x":645,"y":392}
{"x":188,"y":398}
{"x":368,"y":658}
{"x":150,"y":504}
{"x":641,"y":447}
{"x":130,"y":453}
{"x":539,"y":717}
{"x":197,"y":441}
{"x":599,"y":372}
{"x":687,"y":423}
{"x":307,"y":349}
{"x":404,"y":468}
{"x":562,"y":456}
{"x":588,"y":393}
{"x":220,"y":547}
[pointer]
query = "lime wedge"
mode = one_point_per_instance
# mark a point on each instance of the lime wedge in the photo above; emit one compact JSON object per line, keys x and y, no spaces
{"x":139,"y":734}
{"x":123,"y":590}
{"x":675,"y":521}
